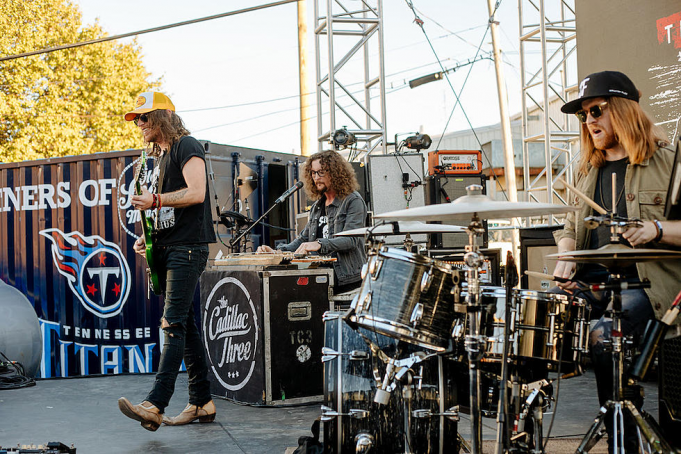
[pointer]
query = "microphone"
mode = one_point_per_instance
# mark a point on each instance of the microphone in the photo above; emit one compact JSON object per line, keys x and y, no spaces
{"x":289,"y":191}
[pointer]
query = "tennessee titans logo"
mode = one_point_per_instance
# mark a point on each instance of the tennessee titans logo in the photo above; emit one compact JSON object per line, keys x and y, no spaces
{"x":94,"y":268}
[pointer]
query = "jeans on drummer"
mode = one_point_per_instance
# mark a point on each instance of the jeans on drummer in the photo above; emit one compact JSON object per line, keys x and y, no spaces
{"x":636,"y":309}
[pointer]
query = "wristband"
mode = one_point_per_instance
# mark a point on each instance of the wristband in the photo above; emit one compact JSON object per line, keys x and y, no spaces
{"x":658,"y":226}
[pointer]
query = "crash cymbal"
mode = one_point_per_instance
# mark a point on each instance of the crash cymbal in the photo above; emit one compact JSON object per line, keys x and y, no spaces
{"x":465,"y":207}
{"x":612,"y":255}
{"x":411,"y":227}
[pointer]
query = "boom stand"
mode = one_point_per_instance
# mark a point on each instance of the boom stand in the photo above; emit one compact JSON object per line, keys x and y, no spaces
{"x":475,"y":343}
{"x":619,"y":406}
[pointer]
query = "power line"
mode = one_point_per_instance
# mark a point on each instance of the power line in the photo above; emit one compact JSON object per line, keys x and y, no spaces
{"x":148,"y":30}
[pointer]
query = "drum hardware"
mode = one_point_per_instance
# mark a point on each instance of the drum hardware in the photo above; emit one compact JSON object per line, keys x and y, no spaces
{"x":503,"y":430}
{"x":328,"y":413}
{"x":363,"y":442}
{"x":329,"y":354}
{"x":537,"y":402}
{"x":473,"y":207}
{"x":452,"y":413}
{"x":394,"y":372}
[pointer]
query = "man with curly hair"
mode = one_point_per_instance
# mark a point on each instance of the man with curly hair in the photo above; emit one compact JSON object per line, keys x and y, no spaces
{"x":330,"y":181}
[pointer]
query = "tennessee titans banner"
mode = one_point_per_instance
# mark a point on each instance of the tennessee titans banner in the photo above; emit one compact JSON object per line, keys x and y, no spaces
{"x":67,"y":230}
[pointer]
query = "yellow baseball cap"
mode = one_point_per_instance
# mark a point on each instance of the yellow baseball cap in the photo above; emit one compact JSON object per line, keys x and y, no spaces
{"x":148,"y":101}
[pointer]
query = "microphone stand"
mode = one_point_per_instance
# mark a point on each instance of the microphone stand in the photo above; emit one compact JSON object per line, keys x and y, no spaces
{"x":236,"y":240}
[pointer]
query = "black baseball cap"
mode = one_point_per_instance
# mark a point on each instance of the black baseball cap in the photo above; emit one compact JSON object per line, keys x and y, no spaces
{"x":602,"y":85}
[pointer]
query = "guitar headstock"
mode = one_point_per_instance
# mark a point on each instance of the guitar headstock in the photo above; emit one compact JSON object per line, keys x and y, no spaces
{"x":140,"y":172}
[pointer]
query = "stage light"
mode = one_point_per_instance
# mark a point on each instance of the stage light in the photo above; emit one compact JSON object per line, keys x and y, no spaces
{"x":343,"y":138}
{"x":425,"y":79}
{"x":418,"y":142}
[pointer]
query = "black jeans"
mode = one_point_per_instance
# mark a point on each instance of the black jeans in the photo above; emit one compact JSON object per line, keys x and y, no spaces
{"x":181,"y":266}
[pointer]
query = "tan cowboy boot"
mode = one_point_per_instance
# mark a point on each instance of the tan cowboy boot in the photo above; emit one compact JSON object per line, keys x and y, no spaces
{"x":146,"y":412}
{"x":192,"y":413}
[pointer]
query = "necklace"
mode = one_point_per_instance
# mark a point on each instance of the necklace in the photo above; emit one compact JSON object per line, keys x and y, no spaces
{"x":619,"y":197}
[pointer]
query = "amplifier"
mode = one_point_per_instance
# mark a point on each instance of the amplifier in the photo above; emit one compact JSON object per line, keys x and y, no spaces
{"x":454,"y":162}
{"x":535,"y":244}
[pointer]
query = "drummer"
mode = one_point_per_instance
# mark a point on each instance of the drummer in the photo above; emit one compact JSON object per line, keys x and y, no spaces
{"x":331,"y":181}
{"x":617,"y":136}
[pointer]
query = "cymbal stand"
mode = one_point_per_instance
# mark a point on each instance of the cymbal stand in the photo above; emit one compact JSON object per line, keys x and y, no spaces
{"x":503,"y":433}
{"x":475,"y":343}
{"x":619,"y":406}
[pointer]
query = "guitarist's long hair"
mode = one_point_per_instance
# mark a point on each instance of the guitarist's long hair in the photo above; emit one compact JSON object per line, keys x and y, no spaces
{"x":343,"y":179}
{"x":170,"y":126}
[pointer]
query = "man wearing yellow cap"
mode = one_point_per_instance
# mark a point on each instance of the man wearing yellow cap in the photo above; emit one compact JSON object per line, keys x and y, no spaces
{"x":179,"y":197}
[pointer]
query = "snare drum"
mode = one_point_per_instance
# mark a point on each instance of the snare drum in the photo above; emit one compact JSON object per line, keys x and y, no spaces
{"x":549,"y":323}
{"x":351,"y":376}
{"x":407,"y":296}
{"x":542,"y":325}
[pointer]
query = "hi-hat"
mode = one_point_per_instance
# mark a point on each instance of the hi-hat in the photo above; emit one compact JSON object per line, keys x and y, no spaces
{"x":465,"y":207}
{"x":612,"y":255}
{"x":402,"y":228}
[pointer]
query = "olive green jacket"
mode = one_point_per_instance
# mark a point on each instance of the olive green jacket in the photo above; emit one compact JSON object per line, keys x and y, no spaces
{"x":645,"y":187}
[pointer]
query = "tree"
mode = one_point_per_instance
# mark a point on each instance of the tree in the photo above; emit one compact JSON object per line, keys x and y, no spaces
{"x":67,"y":102}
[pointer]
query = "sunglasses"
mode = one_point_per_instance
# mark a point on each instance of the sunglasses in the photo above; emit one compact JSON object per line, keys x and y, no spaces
{"x":142,"y":117}
{"x":595,"y":111}
{"x":319,"y":173}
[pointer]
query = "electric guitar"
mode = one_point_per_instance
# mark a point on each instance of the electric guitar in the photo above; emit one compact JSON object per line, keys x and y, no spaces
{"x":147,"y":228}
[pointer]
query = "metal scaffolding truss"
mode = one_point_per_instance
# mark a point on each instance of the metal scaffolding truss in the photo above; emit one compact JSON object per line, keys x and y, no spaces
{"x":548,"y":61}
{"x":345,"y":85}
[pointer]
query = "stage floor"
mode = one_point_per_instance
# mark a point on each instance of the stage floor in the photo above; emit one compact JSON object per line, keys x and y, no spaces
{"x":84,"y":412}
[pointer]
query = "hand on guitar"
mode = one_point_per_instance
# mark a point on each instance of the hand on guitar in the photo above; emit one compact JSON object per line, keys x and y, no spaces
{"x":140,"y":247}
{"x":144,"y":200}
{"x":264,"y":249}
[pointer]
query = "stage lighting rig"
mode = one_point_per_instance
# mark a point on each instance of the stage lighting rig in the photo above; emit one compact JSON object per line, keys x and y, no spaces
{"x":418,"y":142}
{"x":343,"y":138}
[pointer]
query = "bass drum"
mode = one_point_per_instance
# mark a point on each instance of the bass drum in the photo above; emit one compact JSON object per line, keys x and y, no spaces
{"x":414,"y":419}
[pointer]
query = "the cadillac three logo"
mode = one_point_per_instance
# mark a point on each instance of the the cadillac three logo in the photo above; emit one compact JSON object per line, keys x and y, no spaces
{"x":230,"y":327}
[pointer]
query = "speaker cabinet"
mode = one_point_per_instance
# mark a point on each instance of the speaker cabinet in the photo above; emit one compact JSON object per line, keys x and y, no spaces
{"x":535,"y":244}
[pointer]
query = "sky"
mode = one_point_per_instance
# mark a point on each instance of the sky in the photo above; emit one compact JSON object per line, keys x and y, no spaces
{"x":235,"y":80}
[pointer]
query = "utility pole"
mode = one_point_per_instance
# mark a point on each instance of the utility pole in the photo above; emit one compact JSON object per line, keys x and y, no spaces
{"x":306,"y":92}
{"x":509,"y":164}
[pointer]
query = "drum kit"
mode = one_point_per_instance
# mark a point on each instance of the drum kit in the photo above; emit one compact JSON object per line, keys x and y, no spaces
{"x":422,"y":342}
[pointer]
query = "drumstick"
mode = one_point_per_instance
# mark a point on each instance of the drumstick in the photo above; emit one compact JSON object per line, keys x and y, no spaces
{"x":550,"y":277}
{"x":583,"y":196}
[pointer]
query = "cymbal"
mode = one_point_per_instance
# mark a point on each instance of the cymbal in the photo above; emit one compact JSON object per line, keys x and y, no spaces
{"x":411,"y":227}
{"x":465,"y":207}
{"x":612,"y":255}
